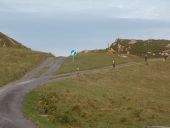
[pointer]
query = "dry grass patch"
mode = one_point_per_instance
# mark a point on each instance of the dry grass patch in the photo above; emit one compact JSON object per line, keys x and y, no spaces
{"x":130,"y":97}
{"x":14,"y":63}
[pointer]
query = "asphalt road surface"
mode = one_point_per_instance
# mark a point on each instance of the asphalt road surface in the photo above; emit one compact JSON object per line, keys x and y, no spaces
{"x":11,"y":95}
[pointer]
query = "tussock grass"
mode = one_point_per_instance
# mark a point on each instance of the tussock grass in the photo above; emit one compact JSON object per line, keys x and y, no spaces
{"x":14,"y":63}
{"x":129,"y":97}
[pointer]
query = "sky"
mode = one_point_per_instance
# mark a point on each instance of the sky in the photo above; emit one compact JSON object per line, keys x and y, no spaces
{"x":59,"y":26}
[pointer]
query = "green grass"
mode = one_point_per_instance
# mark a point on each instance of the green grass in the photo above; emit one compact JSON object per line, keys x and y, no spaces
{"x":92,"y":60}
{"x":14,"y":63}
{"x":129,"y":97}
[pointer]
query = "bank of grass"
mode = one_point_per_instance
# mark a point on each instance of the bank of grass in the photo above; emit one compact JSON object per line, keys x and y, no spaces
{"x":92,"y":60}
{"x":129,"y":97}
{"x":14,"y":63}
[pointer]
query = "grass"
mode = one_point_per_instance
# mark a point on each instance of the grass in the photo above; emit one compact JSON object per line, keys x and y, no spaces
{"x":15,"y":63}
{"x":92,"y":60}
{"x":129,"y":97}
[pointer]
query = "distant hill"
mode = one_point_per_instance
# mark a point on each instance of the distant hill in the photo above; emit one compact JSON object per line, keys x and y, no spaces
{"x":16,"y":59}
{"x":141,"y":47}
{"x":8,"y":42}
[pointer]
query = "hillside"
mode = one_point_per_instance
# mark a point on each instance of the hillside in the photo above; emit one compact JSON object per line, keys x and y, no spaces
{"x":141,"y":47}
{"x":127,"y":97}
{"x":7,"y":42}
{"x":16,"y":59}
{"x":94,"y":59}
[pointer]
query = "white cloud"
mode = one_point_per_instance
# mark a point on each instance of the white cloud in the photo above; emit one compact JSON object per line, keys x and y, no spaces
{"x":143,"y":9}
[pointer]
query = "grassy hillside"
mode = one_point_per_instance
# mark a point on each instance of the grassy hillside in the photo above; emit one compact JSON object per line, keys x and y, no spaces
{"x":129,"y":97}
{"x":93,"y":59}
{"x":141,"y":47}
{"x":8,"y":42}
{"x":15,"y":63}
{"x":16,"y":59}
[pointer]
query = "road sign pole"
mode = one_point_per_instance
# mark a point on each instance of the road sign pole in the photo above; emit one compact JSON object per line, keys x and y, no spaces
{"x":73,"y":54}
{"x":73,"y":60}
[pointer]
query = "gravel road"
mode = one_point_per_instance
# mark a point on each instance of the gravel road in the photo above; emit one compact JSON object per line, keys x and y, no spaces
{"x":11,"y":95}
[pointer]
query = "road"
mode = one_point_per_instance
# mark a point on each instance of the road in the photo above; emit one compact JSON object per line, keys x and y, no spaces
{"x":12,"y":95}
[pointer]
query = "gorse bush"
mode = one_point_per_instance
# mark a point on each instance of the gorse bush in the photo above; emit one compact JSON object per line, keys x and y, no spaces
{"x":66,"y":108}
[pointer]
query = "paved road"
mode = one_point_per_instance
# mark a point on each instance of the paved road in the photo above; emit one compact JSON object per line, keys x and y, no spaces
{"x":11,"y":95}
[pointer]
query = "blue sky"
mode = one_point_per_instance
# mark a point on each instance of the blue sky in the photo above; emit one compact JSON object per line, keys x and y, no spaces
{"x":58,"y":26}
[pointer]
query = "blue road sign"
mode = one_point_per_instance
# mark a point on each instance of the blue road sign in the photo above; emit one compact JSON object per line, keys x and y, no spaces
{"x":73,"y":53}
